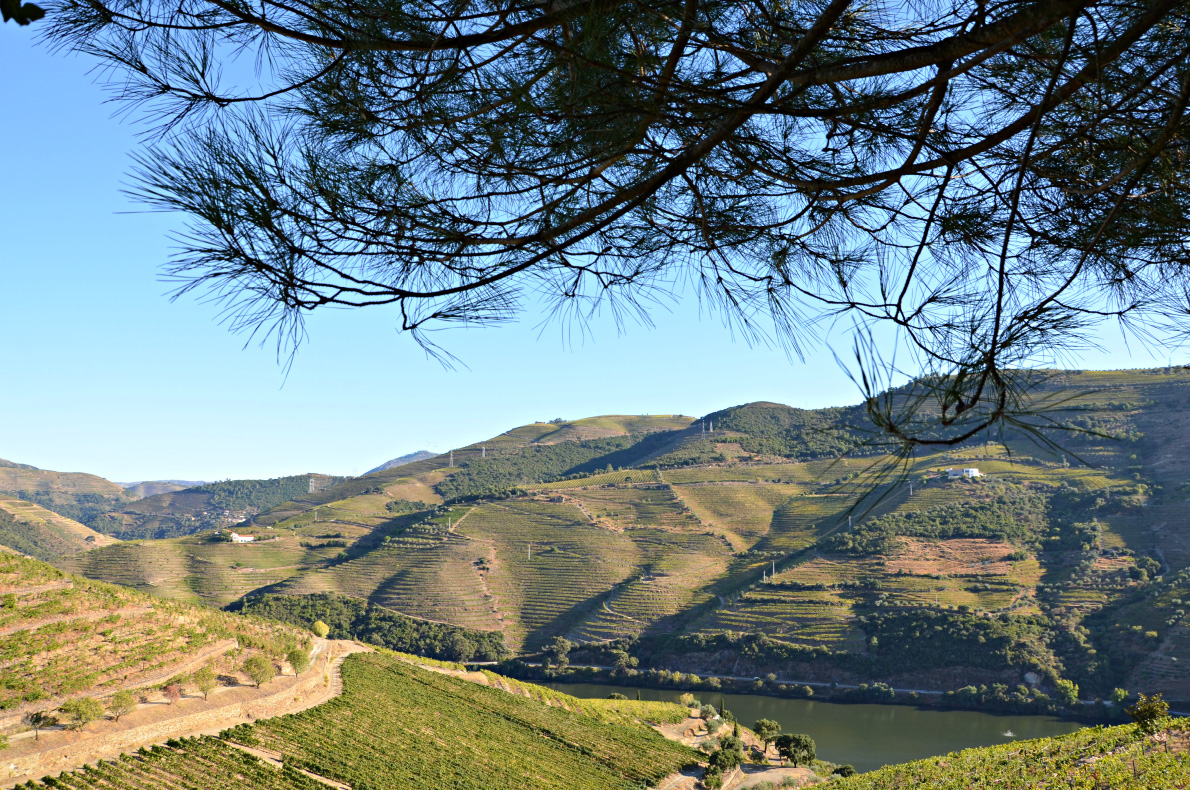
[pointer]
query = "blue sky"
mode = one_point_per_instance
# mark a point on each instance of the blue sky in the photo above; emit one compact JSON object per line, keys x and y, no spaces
{"x":106,"y":375}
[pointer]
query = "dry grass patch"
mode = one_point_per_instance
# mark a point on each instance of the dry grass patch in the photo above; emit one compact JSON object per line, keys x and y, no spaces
{"x":953,"y":557}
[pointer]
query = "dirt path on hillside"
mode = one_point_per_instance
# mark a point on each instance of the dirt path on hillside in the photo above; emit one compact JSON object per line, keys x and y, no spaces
{"x":156,"y":722}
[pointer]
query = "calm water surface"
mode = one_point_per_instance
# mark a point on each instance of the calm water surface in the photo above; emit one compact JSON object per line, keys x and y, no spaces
{"x":866,"y":736}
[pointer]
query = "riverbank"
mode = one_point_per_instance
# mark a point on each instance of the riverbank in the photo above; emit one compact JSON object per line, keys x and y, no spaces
{"x":866,"y":736}
{"x":997,"y":699}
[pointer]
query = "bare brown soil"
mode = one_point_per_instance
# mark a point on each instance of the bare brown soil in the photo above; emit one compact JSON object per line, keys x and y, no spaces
{"x":954,"y":557}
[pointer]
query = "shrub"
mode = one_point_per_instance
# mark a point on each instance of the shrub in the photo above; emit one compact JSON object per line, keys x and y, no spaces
{"x":320,"y":629}
{"x":1149,"y":713}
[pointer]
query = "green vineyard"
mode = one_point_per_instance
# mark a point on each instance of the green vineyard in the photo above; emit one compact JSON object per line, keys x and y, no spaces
{"x":397,"y":725}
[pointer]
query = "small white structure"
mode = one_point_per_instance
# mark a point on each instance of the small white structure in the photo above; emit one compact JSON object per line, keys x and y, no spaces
{"x":970,"y":473}
{"x":238,"y":538}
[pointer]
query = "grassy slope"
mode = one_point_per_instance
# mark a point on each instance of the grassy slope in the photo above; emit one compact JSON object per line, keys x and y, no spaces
{"x":62,"y":635}
{"x":398,"y":725}
{"x":43,"y":534}
{"x":683,"y":548}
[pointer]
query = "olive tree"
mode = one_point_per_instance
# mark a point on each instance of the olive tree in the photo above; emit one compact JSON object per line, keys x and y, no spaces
{"x":260,"y":669}
{"x":122,"y":703}
{"x":82,"y":711}
{"x":205,"y":680}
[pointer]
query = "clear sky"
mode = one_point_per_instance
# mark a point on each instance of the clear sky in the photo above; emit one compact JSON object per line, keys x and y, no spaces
{"x":105,"y":375}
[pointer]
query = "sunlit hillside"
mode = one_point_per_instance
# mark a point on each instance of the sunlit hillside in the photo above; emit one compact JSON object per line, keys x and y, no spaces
{"x":681,"y":535}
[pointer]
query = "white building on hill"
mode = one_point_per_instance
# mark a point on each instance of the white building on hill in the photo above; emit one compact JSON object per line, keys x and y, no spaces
{"x":955,"y":474}
{"x":237,"y":538}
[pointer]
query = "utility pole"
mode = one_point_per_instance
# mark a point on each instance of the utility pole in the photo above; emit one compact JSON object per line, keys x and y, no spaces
{"x":848,"y":522}
{"x":530,"y":550}
{"x":774,"y":569}
{"x":483,"y":452}
{"x":910,"y":488}
{"x":452,"y":459}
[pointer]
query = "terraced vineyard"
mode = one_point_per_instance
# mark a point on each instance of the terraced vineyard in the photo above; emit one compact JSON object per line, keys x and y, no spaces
{"x":622,"y":527}
{"x":551,"y":565}
{"x":44,"y":534}
{"x":743,"y":510}
{"x":62,"y":635}
{"x":197,"y":569}
{"x":397,"y":725}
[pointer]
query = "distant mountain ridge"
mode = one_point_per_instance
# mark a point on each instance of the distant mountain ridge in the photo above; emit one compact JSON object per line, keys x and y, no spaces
{"x":148,"y":488}
{"x":420,"y":455}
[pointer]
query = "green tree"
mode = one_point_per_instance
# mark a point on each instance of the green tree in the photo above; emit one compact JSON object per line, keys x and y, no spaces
{"x":1067,"y":692}
{"x":82,"y":711}
{"x":205,"y":680}
{"x":790,"y":159}
{"x":298,"y":659}
{"x":688,"y":700}
{"x":38,"y":721}
{"x":260,"y":669}
{"x":797,"y":749}
{"x":766,"y":730}
{"x":122,"y":703}
{"x":557,"y":653}
{"x":1149,"y":713}
{"x":1118,"y":697}
{"x":320,"y":629}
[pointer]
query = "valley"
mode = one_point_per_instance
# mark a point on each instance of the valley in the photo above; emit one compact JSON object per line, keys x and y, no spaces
{"x":659,"y":552}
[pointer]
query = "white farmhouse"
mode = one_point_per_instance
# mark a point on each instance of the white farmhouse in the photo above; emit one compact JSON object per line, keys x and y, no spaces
{"x":238,"y":538}
{"x":970,"y":473}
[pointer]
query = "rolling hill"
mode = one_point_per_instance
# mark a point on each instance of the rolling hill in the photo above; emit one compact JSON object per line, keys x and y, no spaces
{"x":207,"y":506}
{"x":754,"y":547}
{"x":80,"y":497}
{"x":43,"y":534}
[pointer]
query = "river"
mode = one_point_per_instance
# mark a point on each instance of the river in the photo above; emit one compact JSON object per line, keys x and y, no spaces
{"x":866,"y":736}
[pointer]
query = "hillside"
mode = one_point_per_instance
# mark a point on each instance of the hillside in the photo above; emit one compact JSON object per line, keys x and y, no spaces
{"x":1119,"y":758}
{"x":43,"y":534}
{"x":400,"y":725}
{"x":664,"y":535}
{"x":62,"y":636}
{"x":208,"y":506}
{"x":77,"y":496}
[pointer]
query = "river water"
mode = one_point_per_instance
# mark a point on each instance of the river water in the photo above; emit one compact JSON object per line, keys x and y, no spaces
{"x":866,"y":736}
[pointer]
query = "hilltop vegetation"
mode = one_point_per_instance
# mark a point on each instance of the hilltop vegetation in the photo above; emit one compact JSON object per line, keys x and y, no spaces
{"x":207,"y":506}
{"x":348,"y":618}
{"x":748,"y":550}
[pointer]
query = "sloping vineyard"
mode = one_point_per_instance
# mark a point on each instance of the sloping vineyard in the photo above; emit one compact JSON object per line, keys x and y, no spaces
{"x":397,"y":725}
